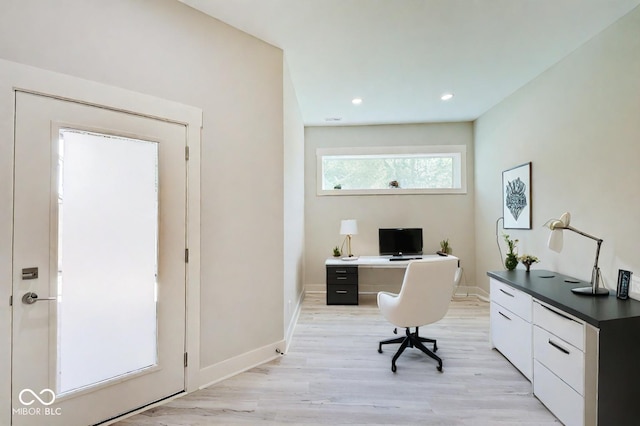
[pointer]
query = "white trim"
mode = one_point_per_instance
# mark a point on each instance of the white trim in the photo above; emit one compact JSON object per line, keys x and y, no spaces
{"x":294,"y":321}
{"x":142,"y":409}
{"x":15,"y":76}
{"x":469,"y":291}
{"x":216,"y":373}
{"x":461,"y":291}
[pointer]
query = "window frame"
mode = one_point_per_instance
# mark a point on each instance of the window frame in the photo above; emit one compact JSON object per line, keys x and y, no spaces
{"x":391,"y":151}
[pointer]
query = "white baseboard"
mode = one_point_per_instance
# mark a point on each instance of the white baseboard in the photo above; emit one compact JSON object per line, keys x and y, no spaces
{"x":315,"y":288}
{"x":294,"y":321}
{"x":461,"y":291}
{"x":467,"y":291}
{"x":238,"y":364}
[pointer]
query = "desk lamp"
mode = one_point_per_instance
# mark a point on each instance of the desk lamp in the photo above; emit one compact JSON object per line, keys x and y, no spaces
{"x":348,"y":227}
{"x":555,"y":244}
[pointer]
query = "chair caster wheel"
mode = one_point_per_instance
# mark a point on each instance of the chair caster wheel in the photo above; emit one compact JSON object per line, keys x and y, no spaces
{"x":379,"y":351}
{"x":439,"y":368}
{"x":435,"y":348}
{"x":393,"y":368}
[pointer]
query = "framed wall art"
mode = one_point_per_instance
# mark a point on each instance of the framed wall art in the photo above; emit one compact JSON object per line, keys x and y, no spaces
{"x":516,"y":197}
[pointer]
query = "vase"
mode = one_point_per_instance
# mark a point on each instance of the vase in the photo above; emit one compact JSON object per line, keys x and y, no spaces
{"x":511,"y":262}
{"x":527,"y":266}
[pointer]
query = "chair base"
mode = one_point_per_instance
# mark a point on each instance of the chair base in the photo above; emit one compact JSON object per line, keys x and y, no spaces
{"x":411,"y":340}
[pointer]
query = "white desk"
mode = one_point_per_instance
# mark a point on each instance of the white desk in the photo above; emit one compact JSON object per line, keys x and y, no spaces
{"x":342,"y":275}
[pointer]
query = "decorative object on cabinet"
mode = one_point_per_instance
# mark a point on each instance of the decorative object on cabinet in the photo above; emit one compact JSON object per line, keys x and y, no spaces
{"x":624,"y":282}
{"x":445,"y":248}
{"x":516,"y":197}
{"x":511,"y":260}
{"x":527,"y":260}
{"x":348,"y":227}
{"x":555,"y":243}
{"x":337,"y":252}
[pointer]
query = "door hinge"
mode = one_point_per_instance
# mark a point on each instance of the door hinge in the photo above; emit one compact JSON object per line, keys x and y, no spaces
{"x":186,"y":153}
{"x":186,"y":359}
{"x":186,"y":255}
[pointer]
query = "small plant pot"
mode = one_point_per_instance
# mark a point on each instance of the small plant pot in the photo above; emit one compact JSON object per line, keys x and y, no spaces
{"x":511,"y":262}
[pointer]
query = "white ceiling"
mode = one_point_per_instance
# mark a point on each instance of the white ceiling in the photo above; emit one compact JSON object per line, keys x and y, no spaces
{"x":399,"y":56}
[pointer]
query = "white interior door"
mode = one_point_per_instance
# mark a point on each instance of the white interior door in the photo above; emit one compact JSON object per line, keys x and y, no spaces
{"x":99,"y":262}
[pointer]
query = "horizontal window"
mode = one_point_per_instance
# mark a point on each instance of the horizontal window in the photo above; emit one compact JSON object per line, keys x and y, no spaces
{"x":392,"y":170}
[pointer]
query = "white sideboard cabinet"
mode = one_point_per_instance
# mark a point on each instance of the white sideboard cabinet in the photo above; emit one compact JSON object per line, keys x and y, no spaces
{"x":580,"y":352}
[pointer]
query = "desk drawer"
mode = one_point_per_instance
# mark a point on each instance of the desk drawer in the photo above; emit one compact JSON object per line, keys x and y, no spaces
{"x":561,"y":358}
{"x":342,"y":294}
{"x":560,"y":399}
{"x":511,"y":335}
{"x":514,"y":300}
{"x":342,"y":275}
{"x":560,"y":324}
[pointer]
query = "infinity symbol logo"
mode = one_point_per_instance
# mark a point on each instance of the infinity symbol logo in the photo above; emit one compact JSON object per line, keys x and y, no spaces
{"x":30,"y":401}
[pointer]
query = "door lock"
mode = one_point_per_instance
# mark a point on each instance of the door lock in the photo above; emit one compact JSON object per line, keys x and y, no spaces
{"x":30,"y":298}
{"x":29,"y":273}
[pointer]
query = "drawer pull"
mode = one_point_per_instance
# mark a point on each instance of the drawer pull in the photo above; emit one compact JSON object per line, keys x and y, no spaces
{"x":341,"y":271}
{"x":341,"y":278}
{"x":341,"y":291}
{"x":558,"y":313}
{"x":504,"y":315}
{"x":507,"y":293}
{"x":558,"y":347}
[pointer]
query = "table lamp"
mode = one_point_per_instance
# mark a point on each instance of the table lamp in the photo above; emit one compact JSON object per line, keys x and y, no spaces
{"x":555,"y":243}
{"x":348,"y":227}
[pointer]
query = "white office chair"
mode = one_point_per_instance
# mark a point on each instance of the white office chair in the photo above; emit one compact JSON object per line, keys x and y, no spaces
{"x":423,"y":299}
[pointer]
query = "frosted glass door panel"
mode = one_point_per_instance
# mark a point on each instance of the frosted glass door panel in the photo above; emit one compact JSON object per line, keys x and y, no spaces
{"x":107,"y":258}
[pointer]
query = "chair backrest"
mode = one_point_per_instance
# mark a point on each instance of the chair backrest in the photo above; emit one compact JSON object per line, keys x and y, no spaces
{"x":426,"y":290}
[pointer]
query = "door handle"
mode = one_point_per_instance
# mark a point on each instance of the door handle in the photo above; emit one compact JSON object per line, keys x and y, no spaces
{"x":30,"y":298}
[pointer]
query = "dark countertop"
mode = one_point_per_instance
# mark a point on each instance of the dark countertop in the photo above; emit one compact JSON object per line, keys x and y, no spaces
{"x":550,"y":287}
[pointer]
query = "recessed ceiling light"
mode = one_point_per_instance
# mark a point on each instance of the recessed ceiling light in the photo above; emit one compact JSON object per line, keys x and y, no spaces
{"x":356,"y":101}
{"x":446,"y":96}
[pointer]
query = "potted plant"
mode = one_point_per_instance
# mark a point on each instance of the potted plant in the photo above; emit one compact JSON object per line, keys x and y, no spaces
{"x":528,"y":260}
{"x":336,"y":252}
{"x":511,"y":260}
{"x":445,"y":248}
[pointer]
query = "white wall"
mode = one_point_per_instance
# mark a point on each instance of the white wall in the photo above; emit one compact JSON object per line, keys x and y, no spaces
{"x":293,"y":206}
{"x":166,"y":49}
{"x":579,"y":124}
{"x":440,"y":216}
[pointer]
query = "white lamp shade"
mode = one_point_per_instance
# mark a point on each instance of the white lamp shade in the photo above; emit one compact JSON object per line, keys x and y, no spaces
{"x":348,"y":227}
{"x":565,"y":218}
{"x":555,"y":240}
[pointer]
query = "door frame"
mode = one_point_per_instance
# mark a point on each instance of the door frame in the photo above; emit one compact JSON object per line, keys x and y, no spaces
{"x":25,"y":78}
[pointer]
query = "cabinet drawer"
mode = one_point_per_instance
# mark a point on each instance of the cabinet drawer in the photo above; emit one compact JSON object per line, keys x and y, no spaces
{"x":342,"y":275}
{"x":565,"y":403}
{"x":561,"y":358}
{"x":512,"y":336}
{"x":338,"y":294}
{"x":558,"y":323}
{"x":514,"y":300}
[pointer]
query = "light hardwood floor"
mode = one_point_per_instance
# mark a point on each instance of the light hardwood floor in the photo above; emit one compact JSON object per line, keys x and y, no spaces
{"x":333,"y":374}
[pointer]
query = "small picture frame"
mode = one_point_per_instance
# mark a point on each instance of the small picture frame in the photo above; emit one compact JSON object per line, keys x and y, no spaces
{"x":624,"y":282}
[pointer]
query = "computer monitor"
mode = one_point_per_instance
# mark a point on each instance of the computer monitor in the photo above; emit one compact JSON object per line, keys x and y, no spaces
{"x":400,"y":241}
